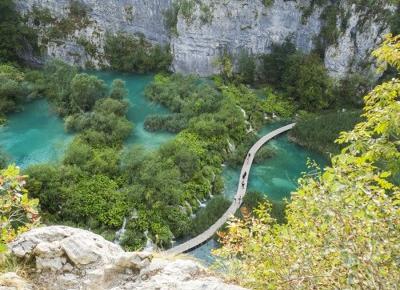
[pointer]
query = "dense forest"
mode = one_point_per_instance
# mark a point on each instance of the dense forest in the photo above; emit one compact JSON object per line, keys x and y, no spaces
{"x":340,"y":228}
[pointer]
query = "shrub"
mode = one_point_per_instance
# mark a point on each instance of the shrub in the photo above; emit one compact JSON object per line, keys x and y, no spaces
{"x":171,"y":18}
{"x":278,"y":105}
{"x":319,"y":131}
{"x":135,"y":54}
{"x":341,"y":229}
{"x":18,"y":213}
{"x":186,"y":8}
{"x":246,"y":67}
{"x":207,"y":216}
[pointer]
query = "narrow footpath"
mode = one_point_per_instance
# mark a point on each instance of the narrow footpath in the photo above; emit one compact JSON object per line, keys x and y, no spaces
{"x":237,"y":201}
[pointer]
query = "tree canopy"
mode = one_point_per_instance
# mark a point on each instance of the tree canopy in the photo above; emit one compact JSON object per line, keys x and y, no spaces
{"x":342,"y":226}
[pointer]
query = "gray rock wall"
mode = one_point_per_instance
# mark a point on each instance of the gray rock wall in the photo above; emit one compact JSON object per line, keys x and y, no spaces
{"x":130,"y":16}
{"x":236,"y":25}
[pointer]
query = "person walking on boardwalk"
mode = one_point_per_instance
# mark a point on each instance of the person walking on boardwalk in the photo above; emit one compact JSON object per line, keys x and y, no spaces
{"x":243,"y":184}
{"x":244,"y":175}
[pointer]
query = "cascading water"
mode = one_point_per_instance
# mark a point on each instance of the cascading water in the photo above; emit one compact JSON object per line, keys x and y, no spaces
{"x":120,"y":233}
{"x":149,"y":243}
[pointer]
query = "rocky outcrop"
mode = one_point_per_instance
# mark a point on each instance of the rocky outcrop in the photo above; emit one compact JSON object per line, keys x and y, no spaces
{"x":239,"y":25}
{"x":69,"y":258}
{"x":213,"y":26}
{"x":353,"y":49}
{"x":130,"y":16}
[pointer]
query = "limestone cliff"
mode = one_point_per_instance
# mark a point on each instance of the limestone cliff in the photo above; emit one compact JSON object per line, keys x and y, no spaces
{"x":216,"y":25}
{"x":69,"y":258}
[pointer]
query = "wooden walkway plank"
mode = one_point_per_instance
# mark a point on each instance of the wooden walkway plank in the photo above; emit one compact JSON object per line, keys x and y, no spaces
{"x":241,"y":191}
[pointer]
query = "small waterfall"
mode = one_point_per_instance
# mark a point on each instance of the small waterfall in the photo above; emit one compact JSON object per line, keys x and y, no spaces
{"x":119,"y":234}
{"x":201,"y":204}
{"x":149,"y":243}
{"x":250,"y":127}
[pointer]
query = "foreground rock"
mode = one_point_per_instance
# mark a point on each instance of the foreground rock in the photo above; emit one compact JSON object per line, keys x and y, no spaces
{"x":69,"y":258}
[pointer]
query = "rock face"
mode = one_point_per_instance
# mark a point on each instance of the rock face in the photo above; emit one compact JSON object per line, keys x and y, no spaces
{"x":212,"y":27}
{"x":130,"y":16}
{"x":69,"y":258}
{"x":239,"y":25}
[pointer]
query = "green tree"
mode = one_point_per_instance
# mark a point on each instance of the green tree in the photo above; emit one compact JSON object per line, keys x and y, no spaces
{"x":86,"y":90}
{"x":95,"y":199}
{"x":136,"y":54}
{"x":246,"y":67}
{"x":15,"y":37}
{"x":273,"y":65}
{"x":18,"y":213}
{"x":118,"y":90}
{"x":13,"y":88}
{"x":214,"y":209}
{"x":307,"y":81}
{"x":342,"y":226}
{"x":58,"y":76}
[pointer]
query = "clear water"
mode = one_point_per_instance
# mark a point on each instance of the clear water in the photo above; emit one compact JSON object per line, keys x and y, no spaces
{"x":276,"y":177}
{"x":35,"y":135}
{"x":139,"y":108}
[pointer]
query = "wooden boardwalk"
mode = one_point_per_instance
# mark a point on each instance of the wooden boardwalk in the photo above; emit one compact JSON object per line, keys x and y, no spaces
{"x":241,"y":191}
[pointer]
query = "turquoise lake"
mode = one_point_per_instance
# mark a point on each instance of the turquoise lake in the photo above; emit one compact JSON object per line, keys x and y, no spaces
{"x":37,"y":135}
{"x":34,"y":135}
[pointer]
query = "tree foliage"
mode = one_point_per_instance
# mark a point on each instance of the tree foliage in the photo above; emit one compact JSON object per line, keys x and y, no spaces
{"x":18,"y":213}
{"x":342,"y":226}
{"x":135,"y":54}
{"x":13,"y":89}
{"x":319,"y":131}
{"x":15,"y":36}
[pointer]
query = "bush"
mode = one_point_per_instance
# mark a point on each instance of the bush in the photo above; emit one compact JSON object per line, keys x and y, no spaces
{"x":252,"y":201}
{"x":246,"y":67}
{"x":306,"y":80}
{"x":85,"y":91}
{"x":186,"y":8}
{"x":278,"y":105}
{"x":274,"y":65}
{"x":15,"y":36}
{"x":127,"y":53}
{"x":319,"y":131}
{"x":96,"y":199}
{"x":13,"y":89}
{"x":18,"y":213}
{"x":340,"y":229}
{"x":171,"y":17}
{"x":207,"y":216}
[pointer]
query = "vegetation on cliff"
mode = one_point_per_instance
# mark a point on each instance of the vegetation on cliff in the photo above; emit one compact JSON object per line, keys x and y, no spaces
{"x":128,"y":53}
{"x":15,"y":36}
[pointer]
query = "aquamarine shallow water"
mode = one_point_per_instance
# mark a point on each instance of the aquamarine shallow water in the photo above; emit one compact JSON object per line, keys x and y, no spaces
{"x":139,"y":108}
{"x":276,"y":177}
{"x":34,"y":135}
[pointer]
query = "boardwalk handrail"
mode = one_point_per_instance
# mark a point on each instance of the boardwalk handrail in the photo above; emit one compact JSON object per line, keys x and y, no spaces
{"x":241,"y":191}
